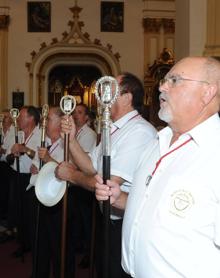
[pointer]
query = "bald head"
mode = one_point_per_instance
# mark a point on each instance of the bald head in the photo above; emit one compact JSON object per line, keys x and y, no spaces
{"x":206,"y":68}
{"x":190,"y":92}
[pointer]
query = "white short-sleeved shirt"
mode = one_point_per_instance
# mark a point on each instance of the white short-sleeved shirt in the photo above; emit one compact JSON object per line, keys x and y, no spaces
{"x":32,"y":142}
{"x":130,"y":136}
{"x":171,"y":227}
{"x":8,"y":138}
{"x":55,"y":151}
{"x":86,"y":138}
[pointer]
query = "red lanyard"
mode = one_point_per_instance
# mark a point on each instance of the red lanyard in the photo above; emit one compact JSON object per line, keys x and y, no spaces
{"x":78,"y":133}
{"x":52,"y":150}
{"x":117,"y":128}
{"x":162,"y":157}
{"x":28,"y":139}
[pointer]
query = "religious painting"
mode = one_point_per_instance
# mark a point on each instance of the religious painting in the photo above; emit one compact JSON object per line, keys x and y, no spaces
{"x":39,"y":16}
{"x":112,"y":16}
{"x":17,"y":99}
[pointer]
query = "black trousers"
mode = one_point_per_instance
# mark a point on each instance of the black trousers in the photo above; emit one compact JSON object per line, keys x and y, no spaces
{"x":18,"y":210}
{"x":115,"y":268}
{"x":49,"y":237}
{"x":83,"y":216}
{"x":5,"y":173}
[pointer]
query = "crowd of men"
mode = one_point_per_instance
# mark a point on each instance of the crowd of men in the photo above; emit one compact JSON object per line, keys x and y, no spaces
{"x":163,"y":189}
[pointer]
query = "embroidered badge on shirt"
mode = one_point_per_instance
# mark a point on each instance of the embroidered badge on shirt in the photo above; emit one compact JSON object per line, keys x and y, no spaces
{"x":181,"y":202}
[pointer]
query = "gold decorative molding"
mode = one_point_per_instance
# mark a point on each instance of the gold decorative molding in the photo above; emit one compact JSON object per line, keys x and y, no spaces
{"x":168,"y":25}
{"x":4,"y":21}
{"x":4,"y":17}
{"x":153,"y":25}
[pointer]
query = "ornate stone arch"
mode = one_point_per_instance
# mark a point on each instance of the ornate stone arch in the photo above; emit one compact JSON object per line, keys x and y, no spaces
{"x":75,"y":48}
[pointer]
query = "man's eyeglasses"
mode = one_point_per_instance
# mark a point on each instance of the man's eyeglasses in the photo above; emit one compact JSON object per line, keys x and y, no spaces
{"x":174,"y":81}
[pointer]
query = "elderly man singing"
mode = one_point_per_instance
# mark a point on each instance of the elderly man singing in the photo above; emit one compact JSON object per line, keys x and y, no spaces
{"x":171,"y":226}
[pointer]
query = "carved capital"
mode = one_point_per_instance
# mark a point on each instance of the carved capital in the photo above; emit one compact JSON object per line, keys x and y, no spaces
{"x":152,"y":25}
{"x":168,"y":25}
{"x":4,"y":21}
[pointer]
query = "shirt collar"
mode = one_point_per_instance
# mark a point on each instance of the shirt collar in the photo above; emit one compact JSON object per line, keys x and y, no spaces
{"x":206,"y":129}
{"x":123,"y":120}
{"x":199,"y":133}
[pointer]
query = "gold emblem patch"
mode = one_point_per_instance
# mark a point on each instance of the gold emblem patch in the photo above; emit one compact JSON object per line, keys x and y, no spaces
{"x":181,"y":202}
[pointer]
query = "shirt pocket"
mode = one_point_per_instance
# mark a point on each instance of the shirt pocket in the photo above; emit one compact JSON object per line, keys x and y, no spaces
{"x":188,"y":204}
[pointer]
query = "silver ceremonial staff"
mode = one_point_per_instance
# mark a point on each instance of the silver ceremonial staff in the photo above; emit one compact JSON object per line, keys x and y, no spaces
{"x":15,"y":114}
{"x":44,"y":115}
{"x":67,"y":105}
{"x":106,"y":92}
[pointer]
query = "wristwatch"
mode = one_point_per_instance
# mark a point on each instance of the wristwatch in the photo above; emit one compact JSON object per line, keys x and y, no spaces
{"x":28,"y":153}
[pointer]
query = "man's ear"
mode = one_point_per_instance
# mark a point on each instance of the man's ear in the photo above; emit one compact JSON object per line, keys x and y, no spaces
{"x":127,"y":98}
{"x":209,"y":94}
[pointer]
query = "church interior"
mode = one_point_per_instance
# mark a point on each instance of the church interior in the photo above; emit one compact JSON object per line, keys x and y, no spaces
{"x":49,"y":49}
{"x":70,"y":45}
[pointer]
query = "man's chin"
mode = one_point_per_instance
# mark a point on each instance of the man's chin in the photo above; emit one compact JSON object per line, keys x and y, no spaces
{"x":164,"y":116}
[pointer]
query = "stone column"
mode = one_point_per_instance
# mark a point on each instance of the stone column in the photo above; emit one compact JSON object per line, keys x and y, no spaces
{"x":212,"y":46}
{"x":190,"y":32}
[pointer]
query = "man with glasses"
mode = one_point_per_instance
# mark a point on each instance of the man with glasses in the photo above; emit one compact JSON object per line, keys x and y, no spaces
{"x":171,"y":226}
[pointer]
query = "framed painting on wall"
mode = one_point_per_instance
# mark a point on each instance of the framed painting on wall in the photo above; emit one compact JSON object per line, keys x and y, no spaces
{"x":112,"y":16}
{"x":17,"y":99}
{"x":39,"y":16}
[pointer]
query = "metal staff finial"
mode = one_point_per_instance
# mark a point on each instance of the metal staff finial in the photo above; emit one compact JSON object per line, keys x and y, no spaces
{"x":106,"y":92}
{"x":44,"y":115}
{"x":67,"y":104}
{"x":14,"y":112}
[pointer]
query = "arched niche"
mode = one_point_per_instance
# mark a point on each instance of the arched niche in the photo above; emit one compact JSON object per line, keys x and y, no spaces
{"x":74,"y":49}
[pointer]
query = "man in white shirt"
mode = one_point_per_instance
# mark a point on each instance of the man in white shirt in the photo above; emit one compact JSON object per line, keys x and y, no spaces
{"x":172,"y":217}
{"x":84,"y":134}
{"x":5,"y":169}
{"x":18,"y":215}
{"x":50,"y":218}
{"x":129,"y":137}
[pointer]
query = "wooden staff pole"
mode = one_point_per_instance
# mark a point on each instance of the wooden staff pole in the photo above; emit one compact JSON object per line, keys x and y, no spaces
{"x":67,"y":105}
{"x":1,"y":129}
{"x":45,"y":111}
{"x":64,"y":211}
{"x":93,"y":232}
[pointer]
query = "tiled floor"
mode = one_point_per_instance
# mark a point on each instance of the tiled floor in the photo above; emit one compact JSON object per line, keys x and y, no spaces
{"x":14,"y":268}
